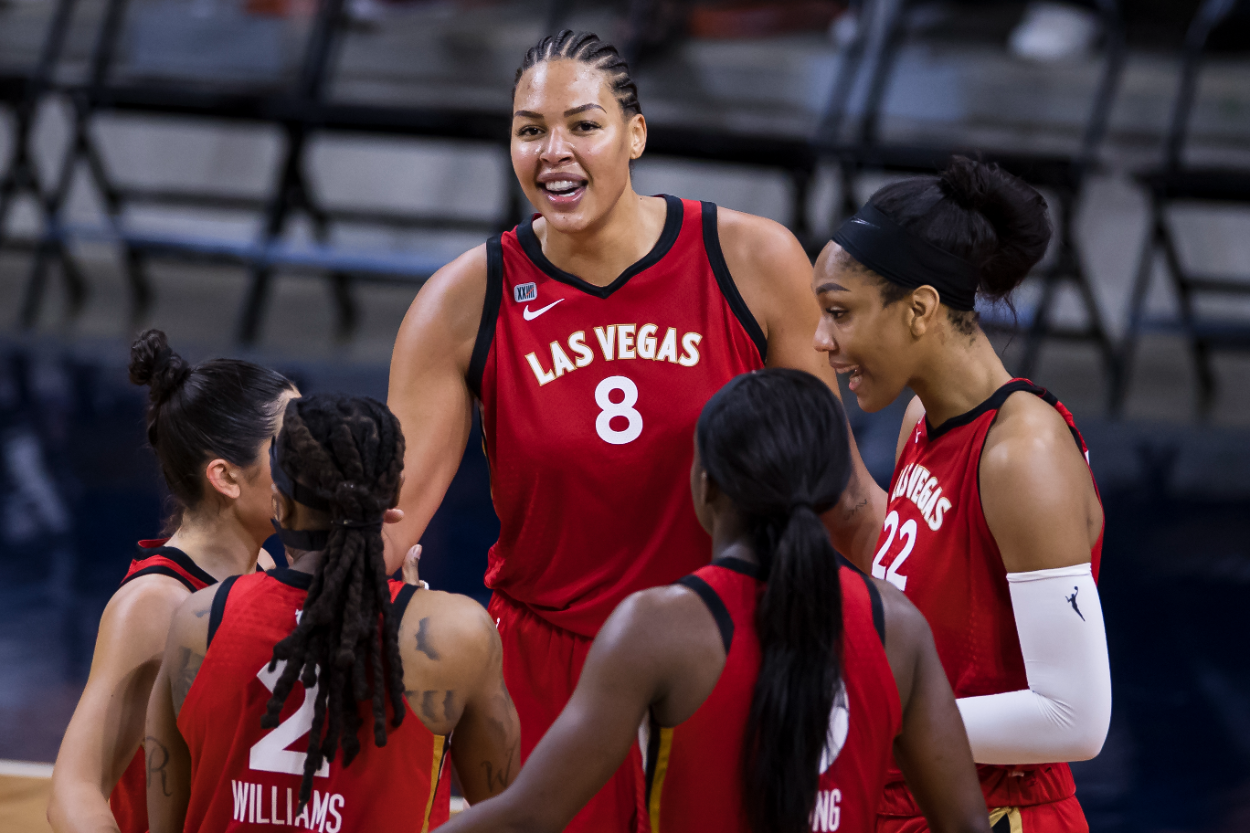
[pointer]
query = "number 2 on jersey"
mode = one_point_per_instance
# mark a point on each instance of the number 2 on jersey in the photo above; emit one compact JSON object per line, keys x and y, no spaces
{"x":622,"y":410}
{"x":270,"y":753}
{"x":906,"y":531}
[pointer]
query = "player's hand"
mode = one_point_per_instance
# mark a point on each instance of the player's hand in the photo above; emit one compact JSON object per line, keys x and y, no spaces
{"x":411,"y":561}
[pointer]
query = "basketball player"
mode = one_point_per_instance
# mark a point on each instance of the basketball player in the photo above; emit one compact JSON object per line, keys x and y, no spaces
{"x":591,"y":336}
{"x":772,"y":683}
{"x":210,"y":426}
{"x":994,"y":525}
{"x":268,"y":676}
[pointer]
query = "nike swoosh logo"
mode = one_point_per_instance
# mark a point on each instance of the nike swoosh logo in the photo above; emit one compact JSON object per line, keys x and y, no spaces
{"x":530,"y":316}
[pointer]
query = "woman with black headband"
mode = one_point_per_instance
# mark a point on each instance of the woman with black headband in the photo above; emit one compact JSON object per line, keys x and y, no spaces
{"x":994,"y":525}
{"x":269,"y":678}
{"x":770,"y":685}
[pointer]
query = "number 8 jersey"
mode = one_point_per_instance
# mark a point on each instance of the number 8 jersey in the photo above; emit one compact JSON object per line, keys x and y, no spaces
{"x":937,"y":548}
{"x":589,"y":397}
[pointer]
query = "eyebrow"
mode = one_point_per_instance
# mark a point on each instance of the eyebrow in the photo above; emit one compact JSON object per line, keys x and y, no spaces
{"x":530,"y":114}
{"x":831,"y":287}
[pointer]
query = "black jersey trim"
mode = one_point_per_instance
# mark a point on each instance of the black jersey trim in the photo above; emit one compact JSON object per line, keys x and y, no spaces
{"x":724,"y":622}
{"x":668,"y":236}
{"x":996,"y":400}
{"x":878,"y":609}
{"x":402,"y":598}
{"x":162,"y":570}
{"x":490,"y":314}
{"x":178,"y":557}
{"x":292,"y":577}
{"x":716,"y":258}
{"x":218,"y":611}
{"x":738,"y":565}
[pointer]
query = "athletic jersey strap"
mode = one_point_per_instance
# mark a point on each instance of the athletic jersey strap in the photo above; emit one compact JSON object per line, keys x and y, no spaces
{"x":490,"y":314}
{"x":218,"y":609}
{"x":716,"y":257}
{"x":168,"y":561}
{"x":878,"y":609}
{"x":724,"y":622}
{"x":162,"y":570}
{"x":402,"y":599}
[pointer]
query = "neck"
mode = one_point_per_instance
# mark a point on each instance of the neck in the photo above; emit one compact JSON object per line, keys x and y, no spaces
{"x":600,"y":253}
{"x":217,"y":544}
{"x":730,"y":540}
{"x":303,"y":560}
{"x":962,"y":374}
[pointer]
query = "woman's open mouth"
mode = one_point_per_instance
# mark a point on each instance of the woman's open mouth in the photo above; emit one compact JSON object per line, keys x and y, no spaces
{"x":563,"y":193}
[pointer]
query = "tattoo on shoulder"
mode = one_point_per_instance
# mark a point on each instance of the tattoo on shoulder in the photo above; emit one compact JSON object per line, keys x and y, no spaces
{"x":182,"y":675}
{"x":429,"y":704}
{"x":200,"y":614}
{"x":854,"y":510}
{"x":423,"y":639}
{"x":157,"y":757}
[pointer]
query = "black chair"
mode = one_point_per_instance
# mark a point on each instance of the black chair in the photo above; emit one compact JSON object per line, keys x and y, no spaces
{"x":22,"y":89}
{"x":1061,"y":174}
{"x":1176,"y":181}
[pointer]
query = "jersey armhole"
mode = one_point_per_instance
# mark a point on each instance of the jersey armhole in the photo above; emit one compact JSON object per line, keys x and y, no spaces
{"x":716,"y":258}
{"x":724,"y":622}
{"x":402,"y":598}
{"x":218,"y":610}
{"x":878,"y":609}
{"x":490,"y":313}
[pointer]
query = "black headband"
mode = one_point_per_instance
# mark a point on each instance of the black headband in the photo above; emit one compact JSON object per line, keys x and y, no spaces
{"x":885,"y":247}
{"x":292,"y":488}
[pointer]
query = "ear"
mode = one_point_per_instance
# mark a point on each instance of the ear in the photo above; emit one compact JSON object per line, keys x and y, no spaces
{"x":637,"y":128}
{"x":922,"y":310}
{"x":225,"y":478}
{"x":283,"y":507}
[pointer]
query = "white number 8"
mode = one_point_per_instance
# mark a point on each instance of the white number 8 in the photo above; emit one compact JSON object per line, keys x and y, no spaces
{"x":624,"y":409}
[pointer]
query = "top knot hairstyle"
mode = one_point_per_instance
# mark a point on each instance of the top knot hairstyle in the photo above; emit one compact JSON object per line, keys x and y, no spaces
{"x":349,"y":451}
{"x":776,"y":443}
{"x":975,"y":211}
{"x":586,"y":48}
{"x":223,"y":408}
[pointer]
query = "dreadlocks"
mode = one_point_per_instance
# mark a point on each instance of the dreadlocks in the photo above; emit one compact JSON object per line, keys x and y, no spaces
{"x":349,"y":451}
{"x":586,"y":48}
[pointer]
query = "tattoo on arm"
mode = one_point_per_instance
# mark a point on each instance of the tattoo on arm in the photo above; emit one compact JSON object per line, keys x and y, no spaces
{"x":157,"y":759}
{"x":498,"y":777}
{"x":429,"y":704}
{"x":423,"y":639}
{"x":184,"y":675}
{"x":854,"y":510}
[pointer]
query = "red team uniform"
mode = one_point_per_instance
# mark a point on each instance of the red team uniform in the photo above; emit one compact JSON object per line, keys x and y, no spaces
{"x":129,"y":800}
{"x":589,"y":396}
{"x":937,"y":548}
{"x":694,"y":769}
{"x":246,"y":778}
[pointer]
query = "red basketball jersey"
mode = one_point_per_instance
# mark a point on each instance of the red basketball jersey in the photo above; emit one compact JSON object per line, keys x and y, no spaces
{"x":245,"y":778}
{"x":937,"y":548}
{"x":589,"y":397}
{"x":129,"y":799}
{"x":694,"y":769}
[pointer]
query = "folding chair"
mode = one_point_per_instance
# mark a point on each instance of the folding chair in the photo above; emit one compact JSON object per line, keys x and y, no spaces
{"x":1177,"y":181}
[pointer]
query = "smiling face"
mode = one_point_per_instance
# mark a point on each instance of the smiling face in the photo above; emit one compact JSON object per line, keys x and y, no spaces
{"x":572,"y":143}
{"x":875,"y":344}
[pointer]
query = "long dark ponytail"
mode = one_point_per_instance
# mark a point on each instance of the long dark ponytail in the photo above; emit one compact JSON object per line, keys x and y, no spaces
{"x":349,"y":452}
{"x":775,"y":442}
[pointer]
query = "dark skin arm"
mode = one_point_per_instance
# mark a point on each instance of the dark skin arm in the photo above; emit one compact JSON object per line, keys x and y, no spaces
{"x":660,"y":651}
{"x":773,"y":274}
{"x":168,"y":759}
{"x":453,"y":680}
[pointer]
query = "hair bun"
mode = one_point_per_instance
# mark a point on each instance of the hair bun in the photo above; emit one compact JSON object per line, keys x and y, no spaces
{"x":1016,"y":212}
{"x":154,"y":364}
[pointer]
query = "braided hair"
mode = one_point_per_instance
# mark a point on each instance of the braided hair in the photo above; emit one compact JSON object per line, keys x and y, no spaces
{"x":586,"y":48}
{"x":348,"y":451}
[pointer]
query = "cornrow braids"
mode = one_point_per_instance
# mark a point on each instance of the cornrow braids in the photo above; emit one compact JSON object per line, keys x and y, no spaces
{"x":349,"y":451}
{"x":586,"y":48}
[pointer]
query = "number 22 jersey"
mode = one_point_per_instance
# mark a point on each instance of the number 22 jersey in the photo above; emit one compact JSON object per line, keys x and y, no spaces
{"x":589,"y":396}
{"x":936,"y":547}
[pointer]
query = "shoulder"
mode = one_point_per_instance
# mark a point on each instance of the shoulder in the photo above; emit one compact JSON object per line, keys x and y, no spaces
{"x":912,"y":416}
{"x":439,"y":627}
{"x":189,"y":626}
{"x":907,"y":636}
{"x":1029,"y":439}
{"x":755,"y":246}
{"x":447,"y":309}
{"x":138,"y":616}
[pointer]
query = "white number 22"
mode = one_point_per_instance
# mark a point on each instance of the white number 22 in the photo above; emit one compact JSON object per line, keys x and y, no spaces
{"x":270,"y":753}
{"x":908,"y":531}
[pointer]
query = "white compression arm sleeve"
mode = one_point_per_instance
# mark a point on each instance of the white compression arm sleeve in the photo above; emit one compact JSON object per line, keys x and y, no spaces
{"x":1065,"y":712}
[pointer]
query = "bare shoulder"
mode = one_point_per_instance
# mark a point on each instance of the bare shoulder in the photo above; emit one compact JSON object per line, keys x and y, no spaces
{"x":189,"y":627}
{"x":445,"y":634}
{"x":903,"y":620}
{"x":912,"y":416}
{"x":648,"y":616}
{"x":757,"y":248}
{"x":447,"y":310}
{"x":1030,"y":436}
{"x":137,"y":618}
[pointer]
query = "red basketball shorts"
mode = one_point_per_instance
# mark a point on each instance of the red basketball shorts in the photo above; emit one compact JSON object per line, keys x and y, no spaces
{"x":1063,"y":816}
{"x":541,"y":666}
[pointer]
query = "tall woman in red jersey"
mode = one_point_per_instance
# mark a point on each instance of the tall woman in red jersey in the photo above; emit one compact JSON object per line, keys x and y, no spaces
{"x":268,"y":677}
{"x":994,"y":525}
{"x":590,"y":337}
{"x":772,"y":683}
{"x":210,"y":426}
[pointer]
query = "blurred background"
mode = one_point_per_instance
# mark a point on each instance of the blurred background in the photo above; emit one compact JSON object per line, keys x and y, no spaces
{"x":274,"y":179}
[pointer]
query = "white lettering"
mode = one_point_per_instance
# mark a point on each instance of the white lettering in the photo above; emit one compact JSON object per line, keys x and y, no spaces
{"x":240,"y":789}
{"x":543,"y":376}
{"x":625,"y":341}
{"x":260,"y":805}
{"x":577,"y":343}
{"x":647,"y":341}
{"x":560,"y":360}
{"x":336,"y":801}
{"x":935,"y":523}
{"x":321,"y":803}
{"x":690,"y":344}
{"x":607,"y":340}
{"x":668,"y":348}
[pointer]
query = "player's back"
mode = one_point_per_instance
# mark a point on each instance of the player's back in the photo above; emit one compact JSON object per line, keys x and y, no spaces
{"x":694,"y":769}
{"x":245,"y":777}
